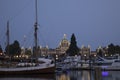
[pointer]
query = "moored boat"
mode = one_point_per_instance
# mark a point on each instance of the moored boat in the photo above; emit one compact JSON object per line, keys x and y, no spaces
{"x":47,"y":65}
{"x":28,"y":70}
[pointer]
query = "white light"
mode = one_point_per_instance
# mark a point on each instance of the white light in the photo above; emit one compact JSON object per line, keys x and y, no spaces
{"x":0,"y":53}
{"x":17,"y":56}
{"x":84,"y":54}
{"x":105,"y":55}
{"x":95,"y":55}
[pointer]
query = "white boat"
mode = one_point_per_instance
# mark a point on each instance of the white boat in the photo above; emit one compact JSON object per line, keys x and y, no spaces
{"x":46,"y":67}
{"x":72,"y":59}
{"x":115,"y":66}
{"x":104,"y":61}
{"x":116,"y":63}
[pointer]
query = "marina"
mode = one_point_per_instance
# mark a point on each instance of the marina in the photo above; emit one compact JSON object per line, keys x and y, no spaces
{"x":28,"y":59}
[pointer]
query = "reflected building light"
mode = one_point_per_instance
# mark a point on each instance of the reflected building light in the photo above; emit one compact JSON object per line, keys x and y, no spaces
{"x":105,"y":73}
{"x":64,"y":77}
{"x":85,"y":75}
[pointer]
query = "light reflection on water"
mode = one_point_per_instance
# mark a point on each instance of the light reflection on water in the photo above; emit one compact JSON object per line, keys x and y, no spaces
{"x":75,"y":75}
{"x":68,"y":75}
{"x":112,"y":75}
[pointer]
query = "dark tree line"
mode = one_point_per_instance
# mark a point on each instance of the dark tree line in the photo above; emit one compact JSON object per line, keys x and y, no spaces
{"x":1,"y":49}
{"x":113,"y":49}
{"x":13,"y":49}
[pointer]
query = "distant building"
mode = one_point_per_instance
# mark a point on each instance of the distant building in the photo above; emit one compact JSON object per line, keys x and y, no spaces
{"x":85,"y":52}
{"x":64,"y":45}
{"x":61,"y":49}
{"x":103,"y":49}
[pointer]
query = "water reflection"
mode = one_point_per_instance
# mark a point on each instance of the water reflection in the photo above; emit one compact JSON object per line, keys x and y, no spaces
{"x":67,"y":75}
{"x":112,"y":75}
{"x":63,"y":77}
{"x":88,"y":75}
{"x":76,"y":75}
{"x":29,"y":77}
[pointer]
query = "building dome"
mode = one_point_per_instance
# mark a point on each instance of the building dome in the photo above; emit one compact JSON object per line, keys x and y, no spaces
{"x":64,"y":44}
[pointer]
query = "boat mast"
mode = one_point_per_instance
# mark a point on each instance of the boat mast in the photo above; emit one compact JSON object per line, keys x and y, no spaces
{"x":8,"y":37}
{"x":35,"y":29}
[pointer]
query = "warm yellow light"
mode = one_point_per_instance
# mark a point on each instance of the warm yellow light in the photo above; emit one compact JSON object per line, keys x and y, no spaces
{"x":0,"y":53}
{"x":95,"y":55}
{"x":26,"y":56}
{"x":64,"y":77}
{"x":17,"y":56}
{"x":105,"y":54}
{"x":56,"y":55}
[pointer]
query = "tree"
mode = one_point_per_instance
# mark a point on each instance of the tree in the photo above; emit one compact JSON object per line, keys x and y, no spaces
{"x":13,"y":49}
{"x":73,"y":49}
{"x":111,"y":49}
{"x":1,"y":49}
{"x":16,"y":48}
{"x":117,"y":49}
{"x":100,"y":53}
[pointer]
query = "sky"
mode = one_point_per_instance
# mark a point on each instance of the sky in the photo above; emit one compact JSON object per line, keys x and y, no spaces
{"x":94,"y":22}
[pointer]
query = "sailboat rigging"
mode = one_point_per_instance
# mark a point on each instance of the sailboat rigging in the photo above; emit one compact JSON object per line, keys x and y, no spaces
{"x":33,"y":68}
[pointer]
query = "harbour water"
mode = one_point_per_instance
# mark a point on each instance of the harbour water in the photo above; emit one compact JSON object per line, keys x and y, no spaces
{"x":67,"y":75}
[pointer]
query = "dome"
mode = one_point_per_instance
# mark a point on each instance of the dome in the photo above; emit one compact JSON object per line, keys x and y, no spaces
{"x":64,"y":42}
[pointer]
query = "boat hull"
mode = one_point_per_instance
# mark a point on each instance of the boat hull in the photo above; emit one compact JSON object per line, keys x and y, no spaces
{"x":46,"y":70}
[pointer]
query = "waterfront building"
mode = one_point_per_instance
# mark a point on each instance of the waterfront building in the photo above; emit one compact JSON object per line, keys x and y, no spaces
{"x":63,"y":45}
{"x":60,"y":50}
{"x":85,"y":52}
{"x":104,"y":50}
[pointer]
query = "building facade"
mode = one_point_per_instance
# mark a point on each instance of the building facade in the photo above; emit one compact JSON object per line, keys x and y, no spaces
{"x":61,"y":49}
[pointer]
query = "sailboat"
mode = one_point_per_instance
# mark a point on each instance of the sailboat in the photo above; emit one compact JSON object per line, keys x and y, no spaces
{"x":36,"y":68}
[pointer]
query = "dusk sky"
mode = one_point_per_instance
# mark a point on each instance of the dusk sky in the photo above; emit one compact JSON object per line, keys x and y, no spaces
{"x":94,"y":22}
